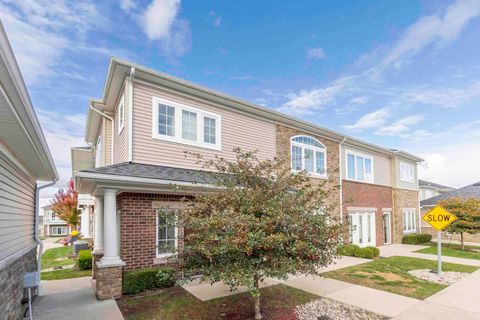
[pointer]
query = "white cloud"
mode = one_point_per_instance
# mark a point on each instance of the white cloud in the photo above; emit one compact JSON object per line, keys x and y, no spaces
{"x":217,"y":21}
{"x":399,"y":127}
{"x":442,"y":26}
{"x":444,"y":97}
{"x":160,"y":23}
{"x":370,"y":120}
{"x":127,"y":5}
{"x":315,"y":54}
{"x":358,"y":100}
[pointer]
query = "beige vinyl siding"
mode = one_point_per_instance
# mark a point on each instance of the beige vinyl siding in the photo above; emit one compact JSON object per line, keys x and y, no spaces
{"x":396,"y":174}
{"x":17,"y":208}
{"x":381,"y":166}
{"x":120,"y":153}
{"x":237,"y":130}
{"x":107,"y":142}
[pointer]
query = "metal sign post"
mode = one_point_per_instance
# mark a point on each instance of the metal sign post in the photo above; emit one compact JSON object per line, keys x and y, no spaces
{"x":439,"y":218}
{"x":439,"y":252}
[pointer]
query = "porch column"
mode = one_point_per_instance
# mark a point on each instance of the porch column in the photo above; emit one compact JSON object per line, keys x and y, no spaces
{"x":98,"y":232}
{"x":85,"y":222}
{"x":111,"y":256}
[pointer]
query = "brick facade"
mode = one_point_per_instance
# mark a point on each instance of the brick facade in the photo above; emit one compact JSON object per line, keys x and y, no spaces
{"x":284,"y":134}
{"x":138,"y":220}
{"x":403,"y":198}
{"x":358,"y":194}
{"x":11,"y":288}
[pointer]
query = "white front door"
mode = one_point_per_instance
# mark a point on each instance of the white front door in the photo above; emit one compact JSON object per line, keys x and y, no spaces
{"x":362,"y":228}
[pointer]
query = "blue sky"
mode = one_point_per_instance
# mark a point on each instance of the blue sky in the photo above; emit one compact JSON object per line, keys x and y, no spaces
{"x":402,"y":74}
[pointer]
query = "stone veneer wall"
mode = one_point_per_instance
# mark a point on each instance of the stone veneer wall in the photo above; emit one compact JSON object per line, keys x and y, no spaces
{"x":109,"y":283}
{"x":284,"y":152}
{"x":138,"y":227}
{"x":11,"y":285}
{"x":358,"y":194}
{"x":403,"y":198}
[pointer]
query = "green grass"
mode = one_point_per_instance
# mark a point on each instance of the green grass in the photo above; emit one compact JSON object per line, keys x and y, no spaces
{"x":278,"y":302}
{"x":452,"y":250}
{"x":65,"y":274}
{"x":391,"y":274}
{"x":57,"y":257}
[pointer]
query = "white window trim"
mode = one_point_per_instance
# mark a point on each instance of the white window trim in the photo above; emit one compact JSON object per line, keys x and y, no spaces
{"x":414,"y":220}
{"x":177,"y":138}
{"x":412,"y":180}
{"x":355,"y":154}
{"x":121,"y":115}
{"x":315,"y":149}
{"x":98,"y":152}
{"x":163,"y":255}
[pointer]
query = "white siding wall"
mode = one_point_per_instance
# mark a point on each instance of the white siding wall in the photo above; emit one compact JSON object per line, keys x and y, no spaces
{"x":381,"y":166}
{"x":17,"y":208}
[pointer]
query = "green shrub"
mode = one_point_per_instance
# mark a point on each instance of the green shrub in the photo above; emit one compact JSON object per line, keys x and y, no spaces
{"x":376,"y":251}
{"x":366,"y":253}
{"x":146,"y":279}
{"x":84,"y":260}
{"x":416,"y":238}
{"x":347,"y":250}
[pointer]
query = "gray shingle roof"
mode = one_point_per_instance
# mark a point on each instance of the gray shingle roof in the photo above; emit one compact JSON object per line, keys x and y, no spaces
{"x":131,"y":169}
{"x":470,"y":191}
{"x":424,"y":183}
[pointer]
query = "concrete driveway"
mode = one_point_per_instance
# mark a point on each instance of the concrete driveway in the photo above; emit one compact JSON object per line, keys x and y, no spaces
{"x":73,"y":299}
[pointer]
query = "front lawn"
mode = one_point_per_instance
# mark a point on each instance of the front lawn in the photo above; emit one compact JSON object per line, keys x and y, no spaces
{"x":452,"y":250}
{"x":57,"y":257}
{"x":61,"y":257}
{"x":391,"y":274}
{"x":277,"y":302}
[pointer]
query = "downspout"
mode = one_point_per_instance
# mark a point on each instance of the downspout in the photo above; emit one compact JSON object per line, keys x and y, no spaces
{"x":109,"y":118}
{"x":130,"y":113}
{"x":340,"y":157}
{"x":37,"y":239}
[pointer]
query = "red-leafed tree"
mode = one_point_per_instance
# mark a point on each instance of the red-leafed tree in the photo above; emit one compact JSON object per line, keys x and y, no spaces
{"x":263,"y":221}
{"x":65,"y":205}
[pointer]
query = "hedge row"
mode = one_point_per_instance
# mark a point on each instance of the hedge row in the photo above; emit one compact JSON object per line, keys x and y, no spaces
{"x":355,"y":251}
{"x":416,"y":238}
{"x":146,"y":279}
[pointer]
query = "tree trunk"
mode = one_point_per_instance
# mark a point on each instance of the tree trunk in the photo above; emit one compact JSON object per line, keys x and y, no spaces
{"x":462,"y":245}
{"x":258,"y":314}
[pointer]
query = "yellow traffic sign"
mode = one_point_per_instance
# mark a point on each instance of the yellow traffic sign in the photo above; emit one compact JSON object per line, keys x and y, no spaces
{"x":439,"y":218}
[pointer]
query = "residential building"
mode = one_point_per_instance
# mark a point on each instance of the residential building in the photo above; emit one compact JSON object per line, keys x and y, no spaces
{"x":53,"y":226}
{"x":145,"y":121}
{"x":24,"y":160}
{"x":470,"y":191}
{"x":430,"y":189}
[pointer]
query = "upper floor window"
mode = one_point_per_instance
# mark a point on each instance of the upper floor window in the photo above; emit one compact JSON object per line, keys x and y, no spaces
{"x":179,"y":123}
{"x":98,"y":152}
{"x":359,"y":167}
{"x":121,"y":115}
{"x":308,"y":154}
{"x":407,"y":172}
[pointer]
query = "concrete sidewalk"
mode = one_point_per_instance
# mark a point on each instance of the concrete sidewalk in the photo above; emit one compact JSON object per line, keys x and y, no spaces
{"x":407,"y":250}
{"x":73,"y":299}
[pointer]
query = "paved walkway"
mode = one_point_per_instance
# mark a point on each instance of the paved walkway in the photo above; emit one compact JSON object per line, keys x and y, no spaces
{"x":73,"y":299}
{"x":49,"y":243}
{"x":407,"y":250}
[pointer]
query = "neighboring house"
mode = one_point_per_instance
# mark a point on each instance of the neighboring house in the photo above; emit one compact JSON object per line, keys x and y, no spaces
{"x":24,"y":160}
{"x":470,"y":191}
{"x":41,"y":231}
{"x":430,"y":189}
{"x":53,"y":226}
{"x":145,"y":120}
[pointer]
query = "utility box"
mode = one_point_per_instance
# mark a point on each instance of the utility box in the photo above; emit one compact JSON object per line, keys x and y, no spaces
{"x":79,"y":245}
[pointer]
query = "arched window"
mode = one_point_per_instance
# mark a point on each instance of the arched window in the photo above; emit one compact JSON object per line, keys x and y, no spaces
{"x":308,"y":154}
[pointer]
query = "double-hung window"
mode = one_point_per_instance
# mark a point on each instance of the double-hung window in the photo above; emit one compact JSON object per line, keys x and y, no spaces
{"x":166,"y":232}
{"x":176,"y":122}
{"x":409,"y":221}
{"x":308,"y":154}
{"x":359,"y":167}
{"x":121,"y":115}
{"x":407,"y":172}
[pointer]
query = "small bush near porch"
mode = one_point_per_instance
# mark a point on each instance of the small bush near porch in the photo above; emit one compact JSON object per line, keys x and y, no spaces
{"x":391,"y":274}
{"x":278,"y":303}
